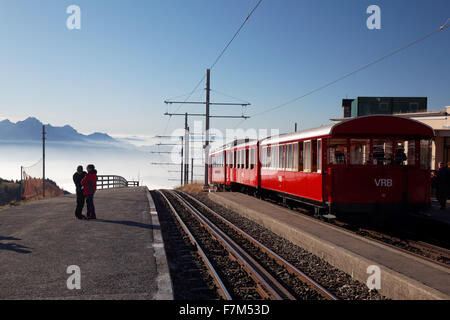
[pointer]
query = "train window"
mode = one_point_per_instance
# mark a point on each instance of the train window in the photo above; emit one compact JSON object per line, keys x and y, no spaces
{"x":425,"y":154}
{"x":295,"y":156}
{"x":314,"y":156}
{"x":272,"y":157}
{"x":282,"y":157}
{"x":265,"y":157}
{"x":337,"y":149}
{"x":307,"y":156}
{"x":382,"y":152}
{"x":243,"y":162}
{"x":411,"y":147}
{"x":300,"y":156}
{"x":400,"y":157}
{"x":290,"y":157}
{"x":280,"y":160}
{"x":247,"y":158}
{"x":319,"y":155}
{"x":233,"y":159}
{"x":252,"y":158}
{"x":359,"y":151}
{"x":239,"y":159}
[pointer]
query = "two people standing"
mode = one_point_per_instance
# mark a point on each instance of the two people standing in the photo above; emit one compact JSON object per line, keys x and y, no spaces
{"x":86,"y":185}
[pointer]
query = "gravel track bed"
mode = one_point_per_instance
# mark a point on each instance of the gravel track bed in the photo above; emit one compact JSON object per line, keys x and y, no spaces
{"x":189,"y":275}
{"x":237,"y":281}
{"x":298,"y":288}
{"x":334,"y":280}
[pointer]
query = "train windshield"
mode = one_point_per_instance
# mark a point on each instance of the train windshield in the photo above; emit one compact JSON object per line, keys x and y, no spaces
{"x":380,"y":152}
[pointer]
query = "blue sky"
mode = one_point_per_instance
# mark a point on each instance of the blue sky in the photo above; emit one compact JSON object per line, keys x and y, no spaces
{"x":129,"y":56}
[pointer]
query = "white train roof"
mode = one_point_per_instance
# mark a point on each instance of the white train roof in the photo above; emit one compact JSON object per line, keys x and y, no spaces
{"x":300,"y":135}
{"x":373,"y":125}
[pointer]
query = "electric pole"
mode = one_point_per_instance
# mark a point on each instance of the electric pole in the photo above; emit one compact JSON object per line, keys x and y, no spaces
{"x":207,"y":116}
{"x":181,"y":154}
{"x":208,"y":88}
{"x":186,"y":148}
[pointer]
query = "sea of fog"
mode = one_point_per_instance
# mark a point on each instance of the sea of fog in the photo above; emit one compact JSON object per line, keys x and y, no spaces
{"x":62,"y":160}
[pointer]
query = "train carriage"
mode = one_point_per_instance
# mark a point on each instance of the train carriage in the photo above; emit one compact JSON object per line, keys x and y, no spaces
{"x":244,"y":165}
{"x":217,"y":167}
{"x":366,"y":164}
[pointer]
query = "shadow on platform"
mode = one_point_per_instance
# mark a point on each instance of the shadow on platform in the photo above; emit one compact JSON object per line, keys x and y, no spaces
{"x":129,"y":224}
{"x":13,"y":246}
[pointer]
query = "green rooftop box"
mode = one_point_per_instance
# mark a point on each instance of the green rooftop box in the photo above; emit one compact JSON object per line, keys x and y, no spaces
{"x":364,"y":106}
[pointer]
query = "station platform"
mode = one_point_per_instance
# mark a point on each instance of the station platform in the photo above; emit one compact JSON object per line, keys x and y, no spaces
{"x":402,"y":276}
{"x":120,"y":255}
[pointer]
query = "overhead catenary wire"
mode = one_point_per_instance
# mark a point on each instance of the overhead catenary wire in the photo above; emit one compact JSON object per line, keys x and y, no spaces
{"x":347,"y":75}
{"x":230,"y":96}
{"x":218,"y":57}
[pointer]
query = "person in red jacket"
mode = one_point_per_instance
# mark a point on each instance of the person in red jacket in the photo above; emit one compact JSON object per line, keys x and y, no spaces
{"x":89,"y":184}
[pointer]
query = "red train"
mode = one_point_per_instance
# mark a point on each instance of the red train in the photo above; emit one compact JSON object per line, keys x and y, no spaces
{"x":366,"y":164}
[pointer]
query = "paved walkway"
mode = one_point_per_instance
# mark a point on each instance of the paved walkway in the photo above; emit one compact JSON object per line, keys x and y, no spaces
{"x":116,"y":256}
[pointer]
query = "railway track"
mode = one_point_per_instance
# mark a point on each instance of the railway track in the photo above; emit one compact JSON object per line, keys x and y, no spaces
{"x":269,"y":276}
{"x":189,"y":273}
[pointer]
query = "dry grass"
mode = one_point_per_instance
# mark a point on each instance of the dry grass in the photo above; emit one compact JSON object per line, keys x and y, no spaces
{"x":24,"y":201}
{"x":191,"y":188}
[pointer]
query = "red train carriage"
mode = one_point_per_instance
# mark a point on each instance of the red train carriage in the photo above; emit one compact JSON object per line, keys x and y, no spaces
{"x":243,"y":165}
{"x":235,"y":164}
{"x":217,"y":167}
{"x":364,"y":164}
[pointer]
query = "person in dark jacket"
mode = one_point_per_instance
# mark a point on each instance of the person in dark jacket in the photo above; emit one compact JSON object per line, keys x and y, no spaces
{"x":442,"y":181}
{"x":77,"y":177}
{"x":89,"y":184}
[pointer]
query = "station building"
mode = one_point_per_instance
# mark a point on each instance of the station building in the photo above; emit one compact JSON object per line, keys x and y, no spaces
{"x":411,"y":107}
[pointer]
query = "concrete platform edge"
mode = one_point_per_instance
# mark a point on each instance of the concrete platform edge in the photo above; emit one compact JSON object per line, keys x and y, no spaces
{"x":393,"y":284}
{"x":164,"y":283}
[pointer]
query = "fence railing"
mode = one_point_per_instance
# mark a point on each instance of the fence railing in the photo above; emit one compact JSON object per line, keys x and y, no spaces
{"x":111,"y":181}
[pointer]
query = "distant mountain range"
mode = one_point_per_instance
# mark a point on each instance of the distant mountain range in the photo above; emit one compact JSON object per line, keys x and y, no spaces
{"x":30,"y":129}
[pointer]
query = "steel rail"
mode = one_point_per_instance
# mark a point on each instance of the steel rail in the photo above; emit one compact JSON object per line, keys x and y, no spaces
{"x":222,"y":290}
{"x":280,"y":260}
{"x":272,"y":287}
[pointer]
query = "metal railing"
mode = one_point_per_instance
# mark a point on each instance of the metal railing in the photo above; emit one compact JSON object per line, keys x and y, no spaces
{"x":111,"y":181}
